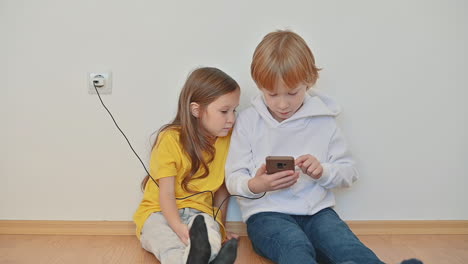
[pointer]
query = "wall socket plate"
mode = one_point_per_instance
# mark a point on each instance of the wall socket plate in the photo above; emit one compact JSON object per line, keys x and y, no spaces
{"x":102,"y":79}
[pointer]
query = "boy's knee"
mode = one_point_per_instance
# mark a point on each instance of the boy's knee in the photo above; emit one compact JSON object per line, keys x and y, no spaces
{"x":286,"y":251}
{"x":297,"y":253}
{"x":299,"y":247}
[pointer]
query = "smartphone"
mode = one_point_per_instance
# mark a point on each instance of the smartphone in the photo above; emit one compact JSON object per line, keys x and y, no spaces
{"x":279,"y":163}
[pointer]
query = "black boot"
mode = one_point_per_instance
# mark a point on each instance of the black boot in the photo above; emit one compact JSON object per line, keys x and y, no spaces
{"x":412,"y":261}
{"x":200,"y":249}
{"x":227,"y":254}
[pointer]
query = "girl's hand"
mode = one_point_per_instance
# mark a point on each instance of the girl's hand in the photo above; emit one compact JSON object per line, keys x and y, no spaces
{"x":310,"y":166}
{"x":263,"y":182}
{"x":183,"y":232}
{"x":230,"y":235}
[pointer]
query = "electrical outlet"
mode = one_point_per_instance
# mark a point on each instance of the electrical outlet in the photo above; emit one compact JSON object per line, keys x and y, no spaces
{"x":102,"y":81}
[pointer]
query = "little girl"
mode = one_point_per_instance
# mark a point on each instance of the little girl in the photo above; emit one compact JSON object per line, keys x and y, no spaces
{"x":187,"y":162}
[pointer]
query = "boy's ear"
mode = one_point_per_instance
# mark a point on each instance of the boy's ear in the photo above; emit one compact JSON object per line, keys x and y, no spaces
{"x":195,"y":109}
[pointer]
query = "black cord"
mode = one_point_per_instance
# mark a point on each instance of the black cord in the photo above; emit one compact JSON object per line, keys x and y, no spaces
{"x":183,"y":198}
{"x":128,"y":142}
{"x":235,"y":195}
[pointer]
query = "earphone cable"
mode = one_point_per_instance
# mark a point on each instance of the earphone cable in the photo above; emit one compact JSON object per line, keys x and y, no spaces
{"x":144,"y":167}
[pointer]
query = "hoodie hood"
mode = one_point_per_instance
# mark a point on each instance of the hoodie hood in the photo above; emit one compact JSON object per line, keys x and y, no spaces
{"x":315,"y":104}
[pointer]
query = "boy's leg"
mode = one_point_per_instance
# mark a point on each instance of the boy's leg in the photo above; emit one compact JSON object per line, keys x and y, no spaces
{"x":278,"y":237}
{"x":158,"y":238}
{"x":334,"y":242}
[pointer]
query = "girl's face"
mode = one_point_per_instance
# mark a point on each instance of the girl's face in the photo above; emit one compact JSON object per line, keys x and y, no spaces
{"x":219,"y":116}
{"x":283,"y":102}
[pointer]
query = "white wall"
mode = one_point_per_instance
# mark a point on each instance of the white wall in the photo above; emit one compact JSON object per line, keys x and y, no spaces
{"x":398,"y":68}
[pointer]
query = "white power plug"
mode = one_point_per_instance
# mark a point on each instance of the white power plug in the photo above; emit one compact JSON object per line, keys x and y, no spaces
{"x":98,"y":81}
{"x":102,"y":81}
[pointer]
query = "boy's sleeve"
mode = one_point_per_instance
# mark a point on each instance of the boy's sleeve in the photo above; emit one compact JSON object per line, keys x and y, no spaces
{"x":339,"y":170}
{"x":239,"y":165}
{"x":164,"y":157}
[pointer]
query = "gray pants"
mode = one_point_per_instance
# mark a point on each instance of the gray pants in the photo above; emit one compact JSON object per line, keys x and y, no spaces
{"x":158,"y":238}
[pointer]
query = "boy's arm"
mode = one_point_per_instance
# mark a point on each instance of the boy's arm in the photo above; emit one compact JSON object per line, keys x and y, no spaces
{"x":339,"y":170}
{"x":169,"y":208}
{"x":239,"y":164}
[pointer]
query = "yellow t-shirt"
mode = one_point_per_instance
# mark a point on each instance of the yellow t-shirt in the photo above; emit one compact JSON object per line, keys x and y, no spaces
{"x":168,"y":159}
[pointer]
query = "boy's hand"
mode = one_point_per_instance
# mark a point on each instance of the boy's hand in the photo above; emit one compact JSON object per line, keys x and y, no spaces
{"x":263,"y":182}
{"x":182,"y":232}
{"x":310,"y":166}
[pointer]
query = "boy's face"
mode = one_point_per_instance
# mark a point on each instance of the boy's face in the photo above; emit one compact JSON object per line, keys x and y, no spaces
{"x":283,"y":102}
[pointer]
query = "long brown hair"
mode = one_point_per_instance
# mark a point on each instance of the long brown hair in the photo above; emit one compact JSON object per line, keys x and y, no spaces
{"x":203,"y":86}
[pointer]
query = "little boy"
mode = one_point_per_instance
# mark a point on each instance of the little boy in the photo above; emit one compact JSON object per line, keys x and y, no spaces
{"x":294,"y":221}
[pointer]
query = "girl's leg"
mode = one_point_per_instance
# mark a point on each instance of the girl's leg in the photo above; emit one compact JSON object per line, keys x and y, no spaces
{"x":158,"y":238}
{"x":278,"y":237}
{"x":334,"y":242}
{"x":213,"y":229}
{"x":200,"y":249}
{"x":228,"y":253}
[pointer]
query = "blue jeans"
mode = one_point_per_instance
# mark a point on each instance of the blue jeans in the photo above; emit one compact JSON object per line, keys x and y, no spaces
{"x":306,"y":239}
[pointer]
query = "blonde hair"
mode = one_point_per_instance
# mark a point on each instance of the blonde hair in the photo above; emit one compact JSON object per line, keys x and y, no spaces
{"x":203,"y":86}
{"x":283,"y":55}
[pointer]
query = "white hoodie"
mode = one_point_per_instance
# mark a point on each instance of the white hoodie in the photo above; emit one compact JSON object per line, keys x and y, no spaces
{"x":311,"y":130}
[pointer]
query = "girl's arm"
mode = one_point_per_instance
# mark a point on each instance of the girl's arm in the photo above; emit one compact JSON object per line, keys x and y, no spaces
{"x":221,"y":194}
{"x":169,"y":208}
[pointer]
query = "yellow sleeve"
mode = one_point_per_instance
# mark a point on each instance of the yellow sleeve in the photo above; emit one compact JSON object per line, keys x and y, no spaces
{"x":166,"y":155}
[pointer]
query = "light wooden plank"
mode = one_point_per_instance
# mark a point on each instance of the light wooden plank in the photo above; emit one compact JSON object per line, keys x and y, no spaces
{"x":71,"y":249}
{"x":43,"y":227}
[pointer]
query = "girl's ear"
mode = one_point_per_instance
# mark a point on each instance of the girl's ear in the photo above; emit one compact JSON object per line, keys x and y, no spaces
{"x":195,"y":109}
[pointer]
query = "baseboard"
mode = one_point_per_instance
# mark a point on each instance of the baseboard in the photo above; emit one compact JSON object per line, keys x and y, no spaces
{"x":41,"y":227}
{"x":410,"y":227}
{"x":45,"y":227}
{"x":397,"y":227}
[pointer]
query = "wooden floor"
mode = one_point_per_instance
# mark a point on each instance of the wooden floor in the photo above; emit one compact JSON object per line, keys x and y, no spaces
{"x":54,"y":249}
